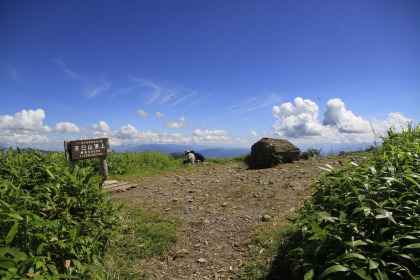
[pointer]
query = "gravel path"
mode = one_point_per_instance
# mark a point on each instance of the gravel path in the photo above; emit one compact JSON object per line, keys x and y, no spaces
{"x":220,"y":206}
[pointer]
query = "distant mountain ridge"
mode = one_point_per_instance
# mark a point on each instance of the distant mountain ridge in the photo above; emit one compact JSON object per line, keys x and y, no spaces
{"x":218,"y":152}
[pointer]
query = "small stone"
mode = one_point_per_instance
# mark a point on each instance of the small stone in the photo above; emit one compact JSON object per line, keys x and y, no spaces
{"x":202,"y":260}
{"x":175,"y":200}
{"x":265,"y":218}
{"x":224,"y":204}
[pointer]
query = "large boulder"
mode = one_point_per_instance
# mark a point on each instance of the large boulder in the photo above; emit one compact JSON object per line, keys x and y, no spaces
{"x":265,"y":153}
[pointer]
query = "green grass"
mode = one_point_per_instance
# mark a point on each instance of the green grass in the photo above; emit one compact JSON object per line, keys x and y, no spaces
{"x":143,"y":236}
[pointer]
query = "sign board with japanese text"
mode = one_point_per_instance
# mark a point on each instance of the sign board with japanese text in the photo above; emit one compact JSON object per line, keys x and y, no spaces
{"x":86,"y":148}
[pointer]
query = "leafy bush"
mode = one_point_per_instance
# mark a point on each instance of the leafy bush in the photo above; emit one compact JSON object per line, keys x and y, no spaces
{"x":54,"y":220}
{"x":312,"y":152}
{"x":364,"y":221}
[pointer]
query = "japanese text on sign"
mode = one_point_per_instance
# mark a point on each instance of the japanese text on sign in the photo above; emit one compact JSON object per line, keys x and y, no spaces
{"x":87,"y":148}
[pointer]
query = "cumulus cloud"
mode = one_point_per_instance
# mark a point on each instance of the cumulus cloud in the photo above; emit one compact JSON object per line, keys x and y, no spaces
{"x":66,"y":127}
{"x":101,"y":126}
{"x":142,"y":113}
{"x":19,"y":138}
{"x":337,"y":116}
{"x":298,"y":120}
{"x":25,"y":120}
{"x":175,"y":125}
{"x":160,"y":115}
{"x":254,"y":133}
{"x":397,"y":120}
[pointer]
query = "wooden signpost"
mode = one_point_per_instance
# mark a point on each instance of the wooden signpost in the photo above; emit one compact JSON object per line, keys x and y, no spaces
{"x":88,"y":148}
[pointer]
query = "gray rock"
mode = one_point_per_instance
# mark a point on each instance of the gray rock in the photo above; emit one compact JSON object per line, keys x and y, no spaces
{"x":263,"y":152}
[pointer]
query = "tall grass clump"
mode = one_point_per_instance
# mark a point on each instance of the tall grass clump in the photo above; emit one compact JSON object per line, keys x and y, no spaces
{"x":363,"y":222}
{"x":54,"y":220}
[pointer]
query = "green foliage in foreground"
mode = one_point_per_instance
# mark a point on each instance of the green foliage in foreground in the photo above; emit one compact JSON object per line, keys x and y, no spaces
{"x":54,"y":220}
{"x":363,"y":221}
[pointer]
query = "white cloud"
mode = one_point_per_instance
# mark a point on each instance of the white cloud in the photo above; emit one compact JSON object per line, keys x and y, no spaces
{"x":297,"y":121}
{"x":66,"y":127}
{"x":142,"y":113}
{"x":160,"y":115}
{"x":339,"y":125}
{"x":337,"y":116}
{"x":25,"y":120}
{"x":209,"y":136}
{"x":22,"y":139}
{"x":182,"y":119}
{"x":129,"y":135}
{"x":101,"y":126}
{"x":397,"y":120}
{"x":254,"y":133}
{"x":175,"y":125}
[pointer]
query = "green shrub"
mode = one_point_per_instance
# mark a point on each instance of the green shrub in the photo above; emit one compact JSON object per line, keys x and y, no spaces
{"x":363,"y":222}
{"x":54,"y":220}
{"x":312,"y":152}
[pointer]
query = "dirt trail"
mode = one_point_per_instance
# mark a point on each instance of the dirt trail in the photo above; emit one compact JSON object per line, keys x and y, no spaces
{"x":219,"y":207}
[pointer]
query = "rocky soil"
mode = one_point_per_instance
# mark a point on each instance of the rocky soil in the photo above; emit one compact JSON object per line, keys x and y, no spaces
{"x":220,"y":205}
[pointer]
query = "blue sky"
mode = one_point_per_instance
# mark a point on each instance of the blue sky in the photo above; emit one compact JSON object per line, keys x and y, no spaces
{"x":222,"y":73}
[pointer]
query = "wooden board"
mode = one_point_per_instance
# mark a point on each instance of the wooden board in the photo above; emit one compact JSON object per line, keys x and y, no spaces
{"x":116,"y":186}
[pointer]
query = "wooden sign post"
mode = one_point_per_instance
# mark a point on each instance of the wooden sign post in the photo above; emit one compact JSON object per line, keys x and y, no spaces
{"x":88,"y":148}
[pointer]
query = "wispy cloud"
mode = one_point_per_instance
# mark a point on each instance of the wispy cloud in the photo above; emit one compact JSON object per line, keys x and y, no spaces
{"x":156,"y":89}
{"x":97,"y":86}
{"x":65,"y":69}
{"x":253,"y":104}
{"x":184,"y":98}
{"x":92,"y":84}
{"x":14,"y":75}
{"x":171,"y":96}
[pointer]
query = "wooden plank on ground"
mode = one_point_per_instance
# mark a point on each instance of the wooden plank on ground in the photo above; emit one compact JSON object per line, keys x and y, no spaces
{"x":115,"y":186}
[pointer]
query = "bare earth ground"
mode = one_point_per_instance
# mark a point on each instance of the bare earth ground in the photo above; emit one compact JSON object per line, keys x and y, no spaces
{"x":219,"y":206}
